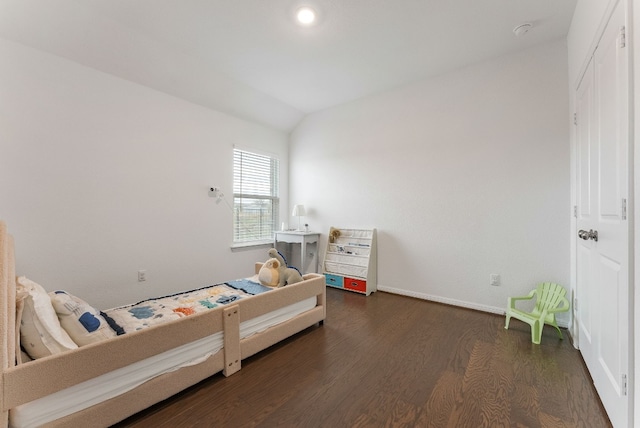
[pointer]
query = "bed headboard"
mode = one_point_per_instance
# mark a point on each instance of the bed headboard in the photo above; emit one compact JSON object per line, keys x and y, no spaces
{"x":7,"y":299}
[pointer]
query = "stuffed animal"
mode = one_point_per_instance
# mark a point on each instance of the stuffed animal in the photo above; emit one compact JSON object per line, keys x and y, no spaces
{"x":334,"y":234}
{"x":269,"y":273}
{"x":287,"y":275}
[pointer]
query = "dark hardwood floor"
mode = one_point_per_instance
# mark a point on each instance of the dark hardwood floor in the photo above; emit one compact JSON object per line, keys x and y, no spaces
{"x":394,"y":361}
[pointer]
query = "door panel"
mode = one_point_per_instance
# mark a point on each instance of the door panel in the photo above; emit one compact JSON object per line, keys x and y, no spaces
{"x":609,"y":342}
{"x":608,"y":63}
{"x":602,"y":271}
{"x":585,"y":282}
{"x":584,"y":293}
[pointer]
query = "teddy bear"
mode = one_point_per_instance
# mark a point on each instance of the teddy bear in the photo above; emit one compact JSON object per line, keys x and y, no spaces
{"x":269,"y":273}
{"x":334,"y":234}
{"x":286,"y":275}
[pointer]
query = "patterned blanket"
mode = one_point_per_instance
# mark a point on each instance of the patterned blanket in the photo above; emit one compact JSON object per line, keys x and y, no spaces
{"x":158,"y":310}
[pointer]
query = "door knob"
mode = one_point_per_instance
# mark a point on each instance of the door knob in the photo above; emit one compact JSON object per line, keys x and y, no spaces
{"x":591,"y":234}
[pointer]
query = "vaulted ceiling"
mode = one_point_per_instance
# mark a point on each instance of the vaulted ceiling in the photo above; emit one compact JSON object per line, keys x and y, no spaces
{"x":250,"y":59}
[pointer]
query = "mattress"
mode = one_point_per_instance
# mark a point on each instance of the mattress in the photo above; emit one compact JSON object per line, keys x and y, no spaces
{"x":159,"y":310}
{"x":109,"y":385}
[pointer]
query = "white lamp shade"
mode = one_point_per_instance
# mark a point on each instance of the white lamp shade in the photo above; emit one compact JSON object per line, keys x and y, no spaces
{"x":298,"y":211}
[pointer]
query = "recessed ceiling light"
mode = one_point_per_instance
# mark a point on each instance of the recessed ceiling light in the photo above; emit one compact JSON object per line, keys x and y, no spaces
{"x":306,"y":16}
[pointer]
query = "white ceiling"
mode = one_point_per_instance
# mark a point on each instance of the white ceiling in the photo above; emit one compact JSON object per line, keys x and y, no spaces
{"x":249,"y":58}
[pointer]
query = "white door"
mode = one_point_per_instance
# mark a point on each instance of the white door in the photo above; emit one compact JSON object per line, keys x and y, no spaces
{"x":602,"y":136}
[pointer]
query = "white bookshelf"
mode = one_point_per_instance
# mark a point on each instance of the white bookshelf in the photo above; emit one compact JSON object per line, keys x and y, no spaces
{"x":350,"y":260}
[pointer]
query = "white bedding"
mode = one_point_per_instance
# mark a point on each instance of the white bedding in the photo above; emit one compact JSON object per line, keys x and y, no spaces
{"x":86,"y":394}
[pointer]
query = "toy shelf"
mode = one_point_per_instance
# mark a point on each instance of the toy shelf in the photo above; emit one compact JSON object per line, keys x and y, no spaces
{"x":350,"y":260}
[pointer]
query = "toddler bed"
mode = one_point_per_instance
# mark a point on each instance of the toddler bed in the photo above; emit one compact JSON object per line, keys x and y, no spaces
{"x":104,"y":382}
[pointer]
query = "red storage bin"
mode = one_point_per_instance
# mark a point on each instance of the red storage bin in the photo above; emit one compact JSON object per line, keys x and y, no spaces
{"x":355,"y":284}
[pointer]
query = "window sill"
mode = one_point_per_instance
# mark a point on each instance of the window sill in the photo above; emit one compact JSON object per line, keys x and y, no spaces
{"x":251,"y":245}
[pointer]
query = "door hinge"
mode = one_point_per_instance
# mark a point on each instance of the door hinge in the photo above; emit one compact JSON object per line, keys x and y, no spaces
{"x":623,"y":37}
{"x":575,"y":211}
{"x":575,"y":118}
{"x":624,"y":384}
{"x":575,"y":304}
{"x":624,"y":209}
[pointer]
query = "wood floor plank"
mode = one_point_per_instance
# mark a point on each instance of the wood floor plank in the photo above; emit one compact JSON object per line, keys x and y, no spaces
{"x":439,"y":408}
{"x":496,"y":404}
{"x":403,"y":414}
{"x":525,"y":405}
{"x":469,"y":410}
{"x":393,"y":361}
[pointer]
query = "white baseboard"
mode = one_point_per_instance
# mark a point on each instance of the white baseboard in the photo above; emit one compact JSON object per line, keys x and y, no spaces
{"x":453,"y":302}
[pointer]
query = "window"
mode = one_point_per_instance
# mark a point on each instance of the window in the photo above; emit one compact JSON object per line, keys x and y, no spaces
{"x":256,"y":201}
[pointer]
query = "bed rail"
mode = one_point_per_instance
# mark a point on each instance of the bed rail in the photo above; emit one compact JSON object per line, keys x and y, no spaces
{"x":23,"y":383}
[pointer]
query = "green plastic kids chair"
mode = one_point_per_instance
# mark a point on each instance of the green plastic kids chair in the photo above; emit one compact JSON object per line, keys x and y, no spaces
{"x":550,"y":301}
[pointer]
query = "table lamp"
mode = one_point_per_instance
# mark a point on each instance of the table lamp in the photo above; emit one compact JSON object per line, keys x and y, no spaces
{"x":299,"y":211}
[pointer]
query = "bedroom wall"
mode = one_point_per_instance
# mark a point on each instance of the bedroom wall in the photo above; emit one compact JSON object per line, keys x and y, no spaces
{"x":101,"y":177}
{"x":463,"y":175}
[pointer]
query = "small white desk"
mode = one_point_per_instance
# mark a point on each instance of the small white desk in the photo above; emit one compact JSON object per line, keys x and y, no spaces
{"x":302,"y":238}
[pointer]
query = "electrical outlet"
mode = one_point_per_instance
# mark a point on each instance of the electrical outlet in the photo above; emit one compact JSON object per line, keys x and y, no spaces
{"x":494,"y":279}
{"x":142,"y":275}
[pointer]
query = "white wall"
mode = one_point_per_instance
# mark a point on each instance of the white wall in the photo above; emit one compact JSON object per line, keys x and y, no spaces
{"x":464,"y":175}
{"x":100,"y":177}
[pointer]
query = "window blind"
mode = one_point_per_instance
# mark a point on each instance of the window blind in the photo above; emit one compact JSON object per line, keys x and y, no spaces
{"x":256,"y":202}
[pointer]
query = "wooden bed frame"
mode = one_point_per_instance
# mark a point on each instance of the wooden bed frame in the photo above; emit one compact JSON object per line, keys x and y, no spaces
{"x":26,"y":382}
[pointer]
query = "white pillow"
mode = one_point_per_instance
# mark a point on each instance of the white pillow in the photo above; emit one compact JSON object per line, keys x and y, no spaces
{"x":84,"y":324}
{"x":40,"y":331}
